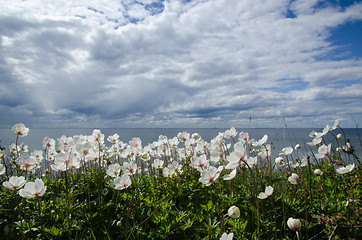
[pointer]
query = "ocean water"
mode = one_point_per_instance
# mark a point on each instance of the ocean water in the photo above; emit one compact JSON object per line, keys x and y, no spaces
{"x":277,"y":137}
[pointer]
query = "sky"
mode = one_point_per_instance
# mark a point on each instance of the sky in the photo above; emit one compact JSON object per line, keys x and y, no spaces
{"x":180,"y":63}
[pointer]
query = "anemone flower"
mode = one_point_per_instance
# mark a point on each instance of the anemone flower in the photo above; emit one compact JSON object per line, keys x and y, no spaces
{"x":243,"y":137}
{"x":200,"y":163}
{"x":113,"y":138}
{"x":113,"y":170}
{"x":158,"y":163}
{"x":196,"y":136}
{"x":129,"y":168}
{"x":58,"y":167}
{"x":168,"y":172}
{"x":268,"y":192}
{"x":63,"y":158}
{"x":234,"y":212}
{"x":323,"y":151}
{"x":346,"y":169}
{"x":208,"y":177}
{"x":123,"y":182}
{"x":33,"y":189}
{"x":279,"y":161}
{"x":20,"y":130}
{"x":230,"y":133}
{"x":294,"y":224}
{"x":14,"y":182}
{"x":229,"y":176}
{"x":263,"y":140}
{"x":252,"y":161}
{"x":294,"y":178}
{"x":237,"y":157}
{"x":315,"y":141}
{"x":183,"y":136}
{"x":26,"y":162}
{"x":96,"y":137}
{"x":287,"y":151}
{"x":318,"y":172}
{"x":335,"y":125}
{"x":226,"y":236}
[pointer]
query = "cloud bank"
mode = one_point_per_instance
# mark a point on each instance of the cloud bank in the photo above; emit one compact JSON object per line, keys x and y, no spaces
{"x":177,"y":63}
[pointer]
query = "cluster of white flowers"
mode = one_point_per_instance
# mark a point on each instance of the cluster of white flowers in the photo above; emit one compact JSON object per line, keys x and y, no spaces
{"x":165,"y":156}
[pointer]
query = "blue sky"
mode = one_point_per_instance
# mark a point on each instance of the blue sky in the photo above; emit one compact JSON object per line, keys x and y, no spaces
{"x":178,"y":63}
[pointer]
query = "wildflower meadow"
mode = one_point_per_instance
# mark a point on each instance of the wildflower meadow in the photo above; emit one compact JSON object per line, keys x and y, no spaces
{"x":232,"y":187}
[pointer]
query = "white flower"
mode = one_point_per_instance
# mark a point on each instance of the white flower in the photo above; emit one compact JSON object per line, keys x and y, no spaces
{"x":14,"y":182}
{"x":243,"y":137}
{"x":33,"y":189}
{"x":304,"y":161}
{"x":252,"y":161}
{"x":157,"y":163}
{"x":183,"y":136}
{"x":318,"y":172}
{"x":129,"y":168}
{"x":339,"y":136}
{"x":200,"y":163}
{"x":265,"y":151}
{"x":113,"y":170}
{"x":113,"y":138}
{"x":268,"y":192}
{"x":168,"y":172}
{"x":346,"y":169}
{"x":226,"y":236}
{"x":230,"y":175}
{"x":58,"y":167}
{"x":237,"y":157}
{"x":234,"y":212}
{"x":208,"y":177}
{"x":123,"y":182}
{"x":96,"y":137}
{"x":294,"y":224}
{"x":279,"y":161}
{"x":335,"y":125}
{"x":294,"y":178}
{"x":20,"y":130}
{"x":26,"y":162}
{"x":315,"y":141}
{"x":323,"y":151}
{"x":196,"y":136}
{"x":287,"y":150}
{"x":297,"y":147}
{"x":230,"y":133}
{"x":262,"y":140}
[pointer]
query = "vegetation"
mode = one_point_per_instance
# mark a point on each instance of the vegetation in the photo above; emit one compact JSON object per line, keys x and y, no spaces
{"x":180,"y":188}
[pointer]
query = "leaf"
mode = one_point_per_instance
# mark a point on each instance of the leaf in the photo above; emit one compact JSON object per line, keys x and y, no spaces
{"x":52,"y":231}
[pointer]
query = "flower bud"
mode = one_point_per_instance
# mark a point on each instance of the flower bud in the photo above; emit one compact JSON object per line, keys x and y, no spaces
{"x":318,"y":172}
{"x":339,"y":136}
{"x":294,"y":224}
{"x":234,"y":212}
{"x":293,"y":179}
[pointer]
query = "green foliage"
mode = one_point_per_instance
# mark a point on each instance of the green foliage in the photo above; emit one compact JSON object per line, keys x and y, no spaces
{"x":84,"y":205}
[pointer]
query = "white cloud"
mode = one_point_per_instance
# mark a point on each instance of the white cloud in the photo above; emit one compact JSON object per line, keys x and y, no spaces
{"x":201,"y":63}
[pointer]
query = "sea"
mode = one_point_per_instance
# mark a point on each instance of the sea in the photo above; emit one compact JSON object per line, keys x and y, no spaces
{"x":277,"y":137}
